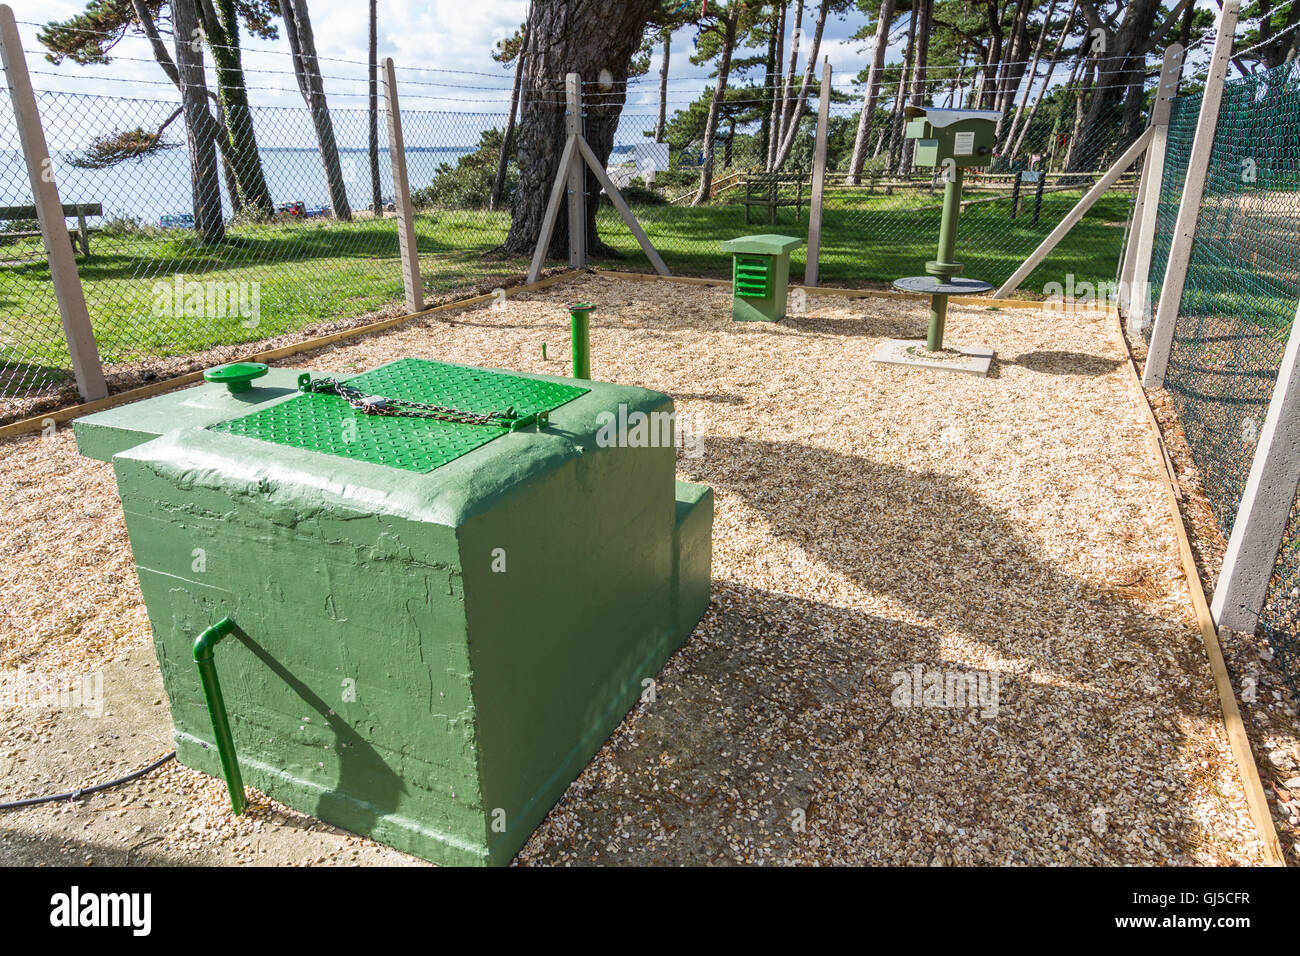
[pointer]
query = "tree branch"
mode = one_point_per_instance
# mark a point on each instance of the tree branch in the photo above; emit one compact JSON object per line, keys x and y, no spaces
{"x":156,"y":42}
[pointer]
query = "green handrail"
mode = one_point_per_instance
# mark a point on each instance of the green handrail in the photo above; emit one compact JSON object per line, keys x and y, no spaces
{"x":204,"y":646}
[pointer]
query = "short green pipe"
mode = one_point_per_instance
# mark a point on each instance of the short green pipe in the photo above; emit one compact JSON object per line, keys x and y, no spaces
{"x":204,"y":646}
{"x":580,"y":324}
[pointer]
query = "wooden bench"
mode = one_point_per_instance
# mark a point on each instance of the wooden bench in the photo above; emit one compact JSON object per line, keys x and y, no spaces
{"x":772,"y":191}
{"x":80,"y":236}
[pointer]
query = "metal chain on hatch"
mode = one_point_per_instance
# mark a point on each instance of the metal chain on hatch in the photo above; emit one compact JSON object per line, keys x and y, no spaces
{"x":400,"y":408}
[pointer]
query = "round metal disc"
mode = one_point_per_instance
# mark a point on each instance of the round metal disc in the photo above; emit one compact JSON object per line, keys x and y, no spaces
{"x":931,"y":285}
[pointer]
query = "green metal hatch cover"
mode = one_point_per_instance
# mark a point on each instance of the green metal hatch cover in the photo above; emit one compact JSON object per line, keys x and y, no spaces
{"x":328,"y":424}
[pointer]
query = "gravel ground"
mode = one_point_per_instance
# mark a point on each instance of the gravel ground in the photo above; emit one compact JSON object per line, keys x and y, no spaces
{"x":872,"y":520}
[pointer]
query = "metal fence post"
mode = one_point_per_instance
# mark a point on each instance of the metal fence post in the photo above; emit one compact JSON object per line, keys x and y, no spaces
{"x":1189,"y":207}
{"x":402,"y":194}
{"x":1265,"y":503}
{"x":811,"y":268}
{"x":86,"y":366}
{"x":1134,"y":294}
{"x":577,"y":174}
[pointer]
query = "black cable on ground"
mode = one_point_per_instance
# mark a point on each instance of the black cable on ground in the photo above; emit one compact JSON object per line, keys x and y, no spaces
{"x":86,"y":791}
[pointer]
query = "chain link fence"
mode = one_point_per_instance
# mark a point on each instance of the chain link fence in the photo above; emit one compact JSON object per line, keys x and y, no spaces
{"x":1183,"y":112}
{"x":313,"y":256}
{"x":33,"y":351}
{"x":303,"y":249}
{"x":883,"y":226}
{"x":1239,"y":302}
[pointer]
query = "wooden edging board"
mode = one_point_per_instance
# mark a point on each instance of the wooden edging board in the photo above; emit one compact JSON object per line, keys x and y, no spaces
{"x":1237,"y":739}
{"x":59,"y":416}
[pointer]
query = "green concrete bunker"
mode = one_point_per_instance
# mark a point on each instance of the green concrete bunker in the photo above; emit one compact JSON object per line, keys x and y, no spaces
{"x":424,"y":625}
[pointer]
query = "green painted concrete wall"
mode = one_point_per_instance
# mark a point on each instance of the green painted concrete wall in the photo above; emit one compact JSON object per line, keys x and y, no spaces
{"x":478,"y":693}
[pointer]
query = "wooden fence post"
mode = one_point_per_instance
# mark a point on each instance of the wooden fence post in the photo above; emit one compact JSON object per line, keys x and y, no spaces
{"x":1135,"y":296}
{"x":86,"y":366}
{"x":812,"y":267}
{"x":402,"y":194}
{"x":1189,"y":207}
{"x":577,"y":174}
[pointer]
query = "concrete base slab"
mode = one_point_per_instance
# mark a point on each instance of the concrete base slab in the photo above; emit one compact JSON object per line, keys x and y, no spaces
{"x":967,"y":359}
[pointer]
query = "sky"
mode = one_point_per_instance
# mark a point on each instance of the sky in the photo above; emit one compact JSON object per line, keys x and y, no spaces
{"x":427,"y":39}
{"x":442,"y":49}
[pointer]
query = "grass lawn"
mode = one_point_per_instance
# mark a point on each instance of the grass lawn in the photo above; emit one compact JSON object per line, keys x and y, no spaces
{"x":308,"y":272}
{"x":878,"y":239}
{"x":303,"y":273}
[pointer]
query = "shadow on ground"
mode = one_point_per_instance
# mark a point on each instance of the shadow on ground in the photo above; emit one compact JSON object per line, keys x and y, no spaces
{"x":775,"y":735}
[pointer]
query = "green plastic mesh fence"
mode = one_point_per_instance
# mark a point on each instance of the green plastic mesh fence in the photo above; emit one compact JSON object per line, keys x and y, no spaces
{"x":1178,"y":150}
{"x":1239,"y":302}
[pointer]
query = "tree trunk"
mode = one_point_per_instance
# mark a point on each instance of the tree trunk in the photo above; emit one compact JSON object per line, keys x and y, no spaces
{"x":982,"y":96}
{"x":1011,"y":69}
{"x":376,"y":190}
{"x":221,"y":24}
{"x":900,"y":100}
{"x":1122,"y":64}
{"x":729,"y":21}
{"x":872,"y":94}
{"x":663,"y":87}
{"x":227,"y":170}
{"x":787,"y":92}
{"x":207,"y":127}
{"x":1047,"y":81}
{"x":774,"y":121}
{"x":205,"y":183}
{"x":792,"y":121}
{"x":1032,"y":73}
{"x":769,"y":83}
{"x":924,"y":12}
{"x":1080,"y":97}
{"x":508,"y":141}
{"x":306,"y":67}
{"x":570,"y":36}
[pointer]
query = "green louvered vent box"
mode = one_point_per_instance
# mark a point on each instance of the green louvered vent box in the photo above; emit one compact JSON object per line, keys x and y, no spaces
{"x":760,"y":276}
{"x":753,"y":276}
{"x":328,"y":424}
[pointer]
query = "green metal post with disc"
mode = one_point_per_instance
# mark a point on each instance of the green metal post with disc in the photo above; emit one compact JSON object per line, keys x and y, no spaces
{"x":952,"y":141}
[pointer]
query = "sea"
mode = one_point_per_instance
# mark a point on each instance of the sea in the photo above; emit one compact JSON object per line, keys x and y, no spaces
{"x":159,"y":185}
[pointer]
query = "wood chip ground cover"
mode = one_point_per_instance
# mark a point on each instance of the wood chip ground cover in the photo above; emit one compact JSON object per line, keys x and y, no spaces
{"x":874,"y":522}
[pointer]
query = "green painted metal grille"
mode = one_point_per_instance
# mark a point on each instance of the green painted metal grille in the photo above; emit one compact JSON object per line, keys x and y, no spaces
{"x":753,"y":276}
{"x":327,"y":424}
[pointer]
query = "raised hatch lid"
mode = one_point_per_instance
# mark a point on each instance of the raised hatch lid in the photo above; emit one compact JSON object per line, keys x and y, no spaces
{"x":327,"y":424}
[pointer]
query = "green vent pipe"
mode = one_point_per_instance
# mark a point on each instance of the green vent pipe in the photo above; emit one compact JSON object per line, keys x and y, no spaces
{"x":204,"y":646}
{"x":580,"y":324}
